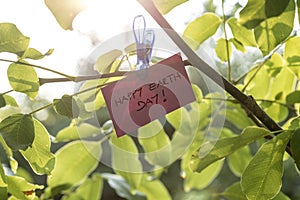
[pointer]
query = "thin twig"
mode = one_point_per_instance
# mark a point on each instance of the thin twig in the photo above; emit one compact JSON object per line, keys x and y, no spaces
{"x":4,"y":93}
{"x":265,"y":59}
{"x":93,"y":88}
{"x":227,"y":44}
{"x":239,"y":79}
{"x":254,"y":75}
{"x":265,"y":100}
{"x":80,"y":92}
{"x":41,"y":108}
{"x":39,"y":67}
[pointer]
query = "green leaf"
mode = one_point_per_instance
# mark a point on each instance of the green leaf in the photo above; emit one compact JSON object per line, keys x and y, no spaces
{"x":121,"y":187}
{"x":156,"y":144}
{"x":34,"y":54}
{"x":13,"y":163}
{"x":234,"y":192}
{"x":2,"y":101}
{"x":52,"y":192}
{"x":165,"y":6}
{"x":257,"y":11}
{"x":239,"y":160}
{"x":275,"y":30}
{"x":295,"y":148}
{"x":125,"y":160}
{"x":186,"y":124}
{"x":2,"y":177}
{"x":227,"y":146}
{"x":105,"y":61}
{"x":221,"y":49}
{"x":298,"y":6}
{"x":3,"y":193}
{"x":291,"y":54}
{"x":130,"y":49}
{"x":23,"y":78}
{"x":20,"y":188}
{"x":18,"y":131}
{"x":292,"y":124}
{"x":207,"y":176}
{"x":98,"y":103}
{"x":198,"y":93}
{"x":260,"y":84}
{"x":66,"y":106}
{"x":237,"y":116}
{"x":90,"y":189}
{"x":252,"y":14}
{"x":93,"y":99}
{"x":293,"y":98}
{"x":65,"y":11}
{"x":281,"y":196}
{"x":201,"y":29}
{"x":12,"y":40}
{"x":238,"y":45}
{"x":91,"y":94}
{"x":39,"y":155}
{"x":10,"y":101}
{"x":75,"y":132}
{"x":241,"y":34}
{"x":154,"y":190}
{"x":27,"y":175}
{"x":175,"y":118}
{"x":283,"y":83}
{"x":262,"y":177}
{"x":74,"y":162}
{"x":277,"y":112}
{"x":275,"y":65}
{"x":275,"y":7}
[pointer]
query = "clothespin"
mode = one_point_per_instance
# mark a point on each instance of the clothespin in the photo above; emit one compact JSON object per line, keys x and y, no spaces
{"x":144,"y":39}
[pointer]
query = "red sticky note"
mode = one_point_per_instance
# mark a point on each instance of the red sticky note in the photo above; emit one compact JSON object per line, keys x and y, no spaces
{"x":148,"y":94}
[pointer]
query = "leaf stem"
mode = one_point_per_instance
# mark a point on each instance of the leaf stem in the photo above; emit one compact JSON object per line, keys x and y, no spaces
{"x":83,"y":91}
{"x":7,"y":92}
{"x":235,"y":101}
{"x":227,"y":44}
{"x":93,"y":88}
{"x":253,"y":76}
{"x":277,"y":102}
{"x":41,"y":108}
{"x":266,"y":58}
{"x":239,"y":79}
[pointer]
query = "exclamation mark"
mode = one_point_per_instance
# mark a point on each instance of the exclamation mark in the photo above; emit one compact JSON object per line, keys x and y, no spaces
{"x":163,"y":93}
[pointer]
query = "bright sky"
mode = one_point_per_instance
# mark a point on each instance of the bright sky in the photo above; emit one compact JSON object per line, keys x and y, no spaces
{"x":103,"y":18}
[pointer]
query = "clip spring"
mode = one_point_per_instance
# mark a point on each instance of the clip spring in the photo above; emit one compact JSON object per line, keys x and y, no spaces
{"x":144,"y":39}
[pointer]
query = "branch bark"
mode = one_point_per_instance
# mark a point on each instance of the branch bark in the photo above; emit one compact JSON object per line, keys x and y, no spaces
{"x":247,"y":101}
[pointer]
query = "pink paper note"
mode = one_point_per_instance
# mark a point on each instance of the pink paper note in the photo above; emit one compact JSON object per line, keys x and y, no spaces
{"x":148,"y":94}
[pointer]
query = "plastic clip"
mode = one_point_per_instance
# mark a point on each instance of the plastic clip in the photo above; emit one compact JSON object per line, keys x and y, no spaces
{"x":144,"y":39}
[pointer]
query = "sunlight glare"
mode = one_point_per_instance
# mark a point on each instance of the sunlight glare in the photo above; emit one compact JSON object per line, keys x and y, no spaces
{"x":107,"y":18}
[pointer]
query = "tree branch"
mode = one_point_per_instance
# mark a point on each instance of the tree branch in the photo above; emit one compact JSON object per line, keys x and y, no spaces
{"x":247,"y":101}
{"x":77,"y":79}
